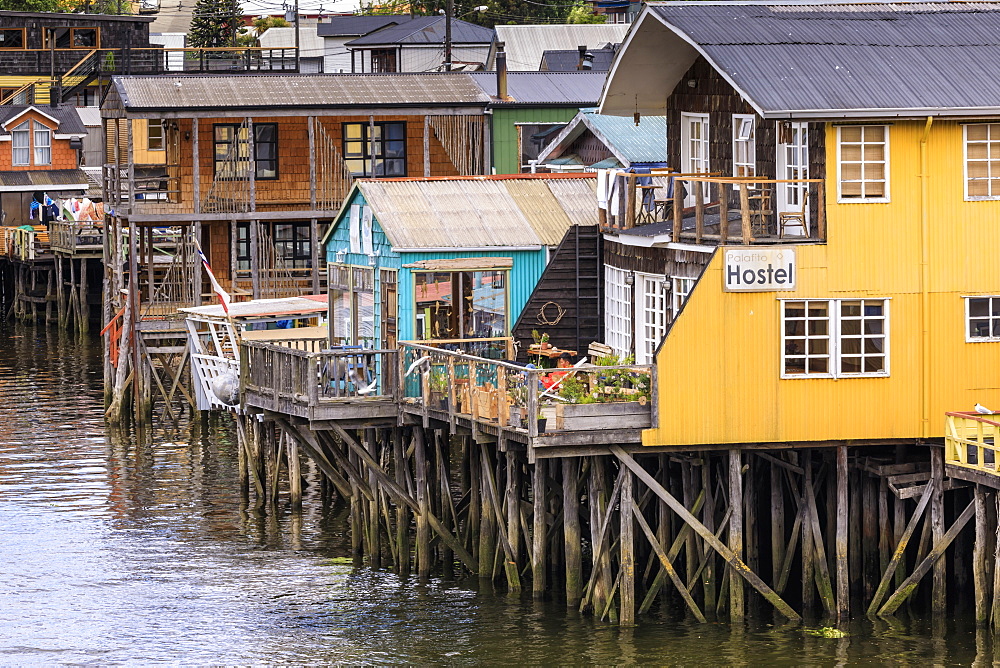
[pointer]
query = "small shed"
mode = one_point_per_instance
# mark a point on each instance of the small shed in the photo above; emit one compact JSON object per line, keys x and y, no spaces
{"x":445,"y":258}
{"x":598,"y":141}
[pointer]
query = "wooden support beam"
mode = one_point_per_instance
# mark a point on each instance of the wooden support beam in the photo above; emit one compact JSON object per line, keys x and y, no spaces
{"x":736,"y":610}
{"x":843,"y":581}
{"x":777,"y":521}
{"x":822,"y":566}
{"x":675,"y":548}
{"x":705,"y":534}
{"x":938,"y":549}
{"x":626,"y":545}
{"x":423,"y":505}
{"x":510,"y":566}
{"x":939,"y":576}
{"x":539,"y":530}
{"x":979,"y":558}
{"x":313,"y":448}
{"x":294,"y":473}
{"x":572,"y":552}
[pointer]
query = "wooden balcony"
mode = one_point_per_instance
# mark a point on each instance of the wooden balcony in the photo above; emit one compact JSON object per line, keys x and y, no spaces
{"x":83,"y":238}
{"x":25,"y":245}
{"x":542,"y":408}
{"x":303,"y":380}
{"x":717,"y":210}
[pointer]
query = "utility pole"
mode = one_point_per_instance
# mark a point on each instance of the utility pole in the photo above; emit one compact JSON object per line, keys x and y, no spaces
{"x":448,"y":13}
{"x":298,"y":22}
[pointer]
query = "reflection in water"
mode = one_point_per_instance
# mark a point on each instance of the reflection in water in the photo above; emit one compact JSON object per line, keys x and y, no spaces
{"x":117,"y":551}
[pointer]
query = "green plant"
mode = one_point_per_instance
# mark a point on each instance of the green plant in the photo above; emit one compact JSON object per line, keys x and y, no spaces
{"x":545,"y":337}
{"x":536,"y":337}
{"x":439,"y":381}
{"x":826,"y":632}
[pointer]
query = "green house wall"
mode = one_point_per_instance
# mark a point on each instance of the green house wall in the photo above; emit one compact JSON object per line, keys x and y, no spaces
{"x":505,"y":151}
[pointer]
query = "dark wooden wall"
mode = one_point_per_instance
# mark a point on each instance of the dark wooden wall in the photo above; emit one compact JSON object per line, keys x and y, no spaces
{"x":713,"y":95}
{"x":666,"y":261}
{"x":573,"y":279}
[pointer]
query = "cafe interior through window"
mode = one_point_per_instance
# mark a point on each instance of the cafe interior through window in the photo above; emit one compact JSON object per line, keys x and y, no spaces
{"x":461,"y":304}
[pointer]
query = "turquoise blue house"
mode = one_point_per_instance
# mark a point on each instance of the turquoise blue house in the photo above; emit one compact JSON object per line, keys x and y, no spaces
{"x":448,"y":257}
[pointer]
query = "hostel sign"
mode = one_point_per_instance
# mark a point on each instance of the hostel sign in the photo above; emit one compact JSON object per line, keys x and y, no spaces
{"x":756,"y":269}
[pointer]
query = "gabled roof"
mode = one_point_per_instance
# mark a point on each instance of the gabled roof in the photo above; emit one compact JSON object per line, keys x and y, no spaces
{"x":43,"y":179}
{"x":575,"y":89}
{"x":512,"y":211}
{"x":67,"y":121}
{"x":525,"y":44}
{"x":347,"y":26}
{"x":818,"y":60}
{"x":630,"y":143}
{"x":568,"y":60}
{"x":292,"y":91}
{"x":426,"y":30}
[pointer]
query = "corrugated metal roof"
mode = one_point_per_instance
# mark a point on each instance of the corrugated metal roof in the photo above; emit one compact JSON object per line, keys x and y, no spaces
{"x":830,"y":57}
{"x":568,"y":60}
{"x":266,"y":91}
{"x":631,"y":143}
{"x":427,"y":30}
{"x":74,"y":179}
{"x":479,"y":213}
{"x":263,"y":308}
{"x":345,"y":26}
{"x":527,"y":88}
{"x":525,"y":44}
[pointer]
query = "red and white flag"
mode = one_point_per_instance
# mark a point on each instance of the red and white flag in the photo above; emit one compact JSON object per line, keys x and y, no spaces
{"x":224,"y":298}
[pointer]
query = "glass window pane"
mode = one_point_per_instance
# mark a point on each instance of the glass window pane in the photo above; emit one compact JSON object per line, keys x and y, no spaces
{"x":979,"y":307}
{"x":977,"y":131}
{"x":819,"y":365}
{"x":850,"y":133}
{"x":874,"y":364}
{"x":850,"y":365}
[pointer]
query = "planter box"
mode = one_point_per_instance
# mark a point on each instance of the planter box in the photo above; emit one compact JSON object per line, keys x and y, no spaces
{"x":590,"y":417}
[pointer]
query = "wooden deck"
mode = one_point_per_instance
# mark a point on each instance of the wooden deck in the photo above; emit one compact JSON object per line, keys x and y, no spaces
{"x":970,"y":448}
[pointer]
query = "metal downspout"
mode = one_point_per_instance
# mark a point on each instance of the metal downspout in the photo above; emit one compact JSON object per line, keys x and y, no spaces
{"x":925,"y":334}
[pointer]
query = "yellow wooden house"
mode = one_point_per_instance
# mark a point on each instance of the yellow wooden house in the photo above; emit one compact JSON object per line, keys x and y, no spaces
{"x":888,"y":315}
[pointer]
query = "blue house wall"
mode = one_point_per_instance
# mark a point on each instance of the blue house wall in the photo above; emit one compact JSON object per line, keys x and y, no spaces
{"x":524,"y":274}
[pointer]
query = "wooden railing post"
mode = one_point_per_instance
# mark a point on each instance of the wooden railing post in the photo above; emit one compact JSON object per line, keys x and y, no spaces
{"x":820,"y":212}
{"x":675,"y":233}
{"x":723,"y":214}
{"x":532,"y":407}
{"x":630,"y":201}
{"x":745,"y":215}
{"x":699,"y":210}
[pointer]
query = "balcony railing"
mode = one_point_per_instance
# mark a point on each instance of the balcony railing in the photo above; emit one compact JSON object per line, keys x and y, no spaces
{"x":85,"y":237}
{"x":298,"y":382}
{"x":25,"y":244}
{"x":970,"y":441}
{"x":706,"y":208}
{"x":528,"y":401}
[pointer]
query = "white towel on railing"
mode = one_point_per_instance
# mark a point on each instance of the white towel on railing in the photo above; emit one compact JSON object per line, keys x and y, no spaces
{"x":602,"y":188}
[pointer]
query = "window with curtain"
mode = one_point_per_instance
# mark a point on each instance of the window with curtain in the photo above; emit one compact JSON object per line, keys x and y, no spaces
{"x":21,"y":141}
{"x":375,"y":150}
{"x":863,"y":163}
{"x":982,"y":161}
{"x":43,"y":144}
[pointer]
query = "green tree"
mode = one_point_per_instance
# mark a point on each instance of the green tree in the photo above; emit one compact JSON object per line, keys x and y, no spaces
{"x":37,"y":6}
{"x":215,"y":23}
{"x":583,"y":12}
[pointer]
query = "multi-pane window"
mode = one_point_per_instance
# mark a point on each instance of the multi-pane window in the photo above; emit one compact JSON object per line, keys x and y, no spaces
{"x":460,"y":304}
{"x":21,"y":140}
{"x":983,"y":317}
{"x":377,"y":149}
{"x":863,"y":162}
{"x":43,"y":144}
{"x":618,"y":310}
{"x":654,"y":317}
{"x":73,"y":38}
{"x":982,"y":161}
{"x":233,"y":151}
{"x":292,"y":245}
{"x":680,"y":289}
{"x":834,"y":338}
{"x":744,"y":152}
{"x":383,"y":60}
{"x":154,"y":135}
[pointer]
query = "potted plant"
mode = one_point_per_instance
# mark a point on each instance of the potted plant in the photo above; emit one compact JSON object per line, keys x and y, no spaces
{"x":541,"y":422}
{"x":544,"y":341}
{"x":439,"y":388}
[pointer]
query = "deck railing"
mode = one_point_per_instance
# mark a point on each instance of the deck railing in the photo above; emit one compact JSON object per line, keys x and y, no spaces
{"x":970,"y":441}
{"x":76,"y":237}
{"x":707,"y":208}
{"x":513,"y":396}
{"x":281,"y":378}
{"x":25,"y":244}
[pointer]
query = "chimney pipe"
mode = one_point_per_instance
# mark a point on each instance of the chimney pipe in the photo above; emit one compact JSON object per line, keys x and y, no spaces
{"x":582,"y":50}
{"x":501,"y":72}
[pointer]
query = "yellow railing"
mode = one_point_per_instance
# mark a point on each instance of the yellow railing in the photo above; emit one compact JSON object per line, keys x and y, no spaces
{"x":970,"y":441}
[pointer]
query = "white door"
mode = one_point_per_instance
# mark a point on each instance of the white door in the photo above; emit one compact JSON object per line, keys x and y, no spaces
{"x":694,"y":148}
{"x":793,"y":165}
{"x":651,"y":316}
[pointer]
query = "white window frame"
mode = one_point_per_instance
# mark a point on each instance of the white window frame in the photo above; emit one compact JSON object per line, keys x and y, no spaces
{"x":618,"y":326}
{"x":835,"y":336}
{"x":160,"y":135}
{"x":24,"y":132}
{"x":747,"y":140}
{"x":992,"y":139}
{"x":651,"y":325}
{"x":680,"y":290}
{"x":969,"y":338}
{"x":885,"y":160}
{"x":42,"y":140}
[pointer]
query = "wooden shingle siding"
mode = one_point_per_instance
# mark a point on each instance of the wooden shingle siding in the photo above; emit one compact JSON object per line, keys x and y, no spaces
{"x":666,"y":261}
